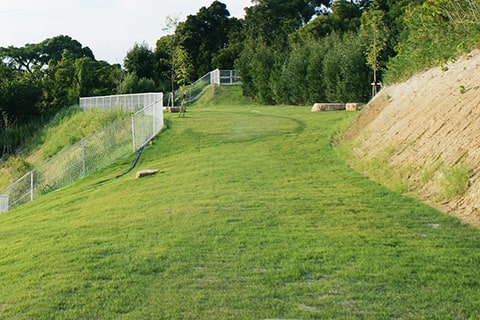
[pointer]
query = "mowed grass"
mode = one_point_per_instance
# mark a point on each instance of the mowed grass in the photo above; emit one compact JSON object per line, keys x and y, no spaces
{"x":252,"y":216}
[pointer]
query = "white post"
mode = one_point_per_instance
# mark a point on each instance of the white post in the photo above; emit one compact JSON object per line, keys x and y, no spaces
{"x":154,"y":118}
{"x":83,"y":158}
{"x":133,"y":133}
{"x":215,"y":77}
{"x":3,"y":203}
{"x":31,"y":186}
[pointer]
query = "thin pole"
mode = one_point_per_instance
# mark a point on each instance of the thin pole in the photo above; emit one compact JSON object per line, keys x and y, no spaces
{"x":83,"y":158}
{"x":31,"y":185}
{"x":133,"y":134}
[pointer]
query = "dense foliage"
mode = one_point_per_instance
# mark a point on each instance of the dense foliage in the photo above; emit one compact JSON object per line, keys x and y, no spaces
{"x":287,"y":52}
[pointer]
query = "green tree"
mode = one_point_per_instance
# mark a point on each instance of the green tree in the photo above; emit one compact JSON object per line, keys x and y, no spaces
{"x":314,"y":79}
{"x":132,"y":84}
{"x":183,"y":66}
{"x":93,"y":78}
{"x":375,"y":34}
{"x":345,"y":72}
{"x":58,"y":84}
{"x":261,"y":69}
{"x":169,"y":44}
{"x":434,"y":32}
{"x":19,"y":94}
{"x":139,"y":60}
{"x":226,"y":56}
{"x":39,"y":55}
{"x":344,"y":16}
{"x":22,"y":59}
{"x":291,"y":87}
{"x":268,"y":26}
{"x":163,"y":66}
{"x":203,"y":35}
{"x":271,"y":21}
{"x":52,"y":49}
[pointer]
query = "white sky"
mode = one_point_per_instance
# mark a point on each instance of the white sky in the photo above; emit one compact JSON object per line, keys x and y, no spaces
{"x":109,"y":27}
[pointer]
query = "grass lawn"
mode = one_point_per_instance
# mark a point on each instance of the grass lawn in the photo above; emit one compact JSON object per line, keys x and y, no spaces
{"x":253,"y":215}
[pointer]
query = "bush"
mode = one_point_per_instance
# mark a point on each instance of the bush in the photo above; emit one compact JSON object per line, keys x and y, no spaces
{"x":16,"y":167}
{"x":436,"y":32}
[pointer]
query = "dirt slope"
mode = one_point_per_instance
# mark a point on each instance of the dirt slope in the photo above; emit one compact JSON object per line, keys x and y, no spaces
{"x":429,"y":126}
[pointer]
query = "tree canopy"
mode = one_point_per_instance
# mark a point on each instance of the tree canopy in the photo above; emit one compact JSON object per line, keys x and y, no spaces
{"x":39,"y":79}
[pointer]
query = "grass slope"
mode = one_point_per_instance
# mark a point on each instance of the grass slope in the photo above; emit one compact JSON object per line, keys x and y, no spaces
{"x":251,"y":216}
{"x":68,"y":127}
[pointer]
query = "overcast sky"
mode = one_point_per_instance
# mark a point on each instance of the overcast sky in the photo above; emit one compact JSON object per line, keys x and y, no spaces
{"x":109,"y":27}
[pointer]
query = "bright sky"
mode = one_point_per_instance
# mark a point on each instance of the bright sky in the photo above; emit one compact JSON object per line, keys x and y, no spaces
{"x":109,"y":27}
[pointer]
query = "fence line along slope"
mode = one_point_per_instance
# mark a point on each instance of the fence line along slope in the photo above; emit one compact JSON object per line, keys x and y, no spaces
{"x":94,"y":152}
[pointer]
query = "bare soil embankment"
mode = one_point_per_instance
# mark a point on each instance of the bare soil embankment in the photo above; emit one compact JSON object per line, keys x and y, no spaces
{"x":430,"y":126}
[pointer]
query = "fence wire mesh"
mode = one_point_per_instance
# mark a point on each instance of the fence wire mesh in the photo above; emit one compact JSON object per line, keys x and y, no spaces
{"x":218,"y":77}
{"x":94,"y":152}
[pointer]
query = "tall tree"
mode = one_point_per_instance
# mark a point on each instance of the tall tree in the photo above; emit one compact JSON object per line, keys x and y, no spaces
{"x":39,"y":55}
{"x":226,"y":56}
{"x":165,"y":51}
{"x":183,"y":67}
{"x":268,"y":25}
{"x":375,"y":33}
{"x":139,"y":60}
{"x":271,"y":21}
{"x":52,"y":49}
{"x":19,"y":94}
{"x":203,"y":35}
{"x":343,"y":16}
{"x":22,"y":59}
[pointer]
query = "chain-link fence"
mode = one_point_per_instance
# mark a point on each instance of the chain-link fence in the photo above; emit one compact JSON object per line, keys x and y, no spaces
{"x":125,"y":102}
{"x":92,"y":153}
{"x":218,"y":77}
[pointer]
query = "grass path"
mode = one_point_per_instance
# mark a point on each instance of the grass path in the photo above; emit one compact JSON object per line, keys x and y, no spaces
{"x":253,"y":215}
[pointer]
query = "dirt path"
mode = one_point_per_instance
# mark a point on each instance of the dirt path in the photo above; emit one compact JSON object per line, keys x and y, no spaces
{"x":431,"y":125}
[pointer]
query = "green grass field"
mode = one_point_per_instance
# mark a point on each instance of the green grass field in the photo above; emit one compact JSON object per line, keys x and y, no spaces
{"x":253,"y":215}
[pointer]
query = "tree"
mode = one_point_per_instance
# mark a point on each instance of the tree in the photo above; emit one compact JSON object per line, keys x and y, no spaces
{"x":203,"y":35}
{"x":22,"y":59}
{"x":52,"y":49}
{"x":132,"y":84}
{"x":225,"y":57}
{"x":345,"y":72}
{"x":169,"y":45}
{"x":375,"y":33}
{"x":271,"y":21}
{"x":182,"y":66}
{"x":268,"y":27}
{"x":139,"y":60}
{"x":19,"y":95}
{"x":39,"y":55}
{"x":58,"y":84}
{"x":344,"y":16}
{"x":94,"y":78}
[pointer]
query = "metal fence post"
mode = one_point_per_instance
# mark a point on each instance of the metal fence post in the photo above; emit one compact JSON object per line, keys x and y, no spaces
{"x":133,"y":133}
{"x":31,"y":186}
{"x":84,"y":173}
{"x":3,"y":203}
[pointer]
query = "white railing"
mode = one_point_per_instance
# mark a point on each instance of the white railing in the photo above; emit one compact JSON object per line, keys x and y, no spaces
{"x":94,"y":152}
{"x":225,"y":77}
{"x":218,"y":77}
{"x":125,"y":102}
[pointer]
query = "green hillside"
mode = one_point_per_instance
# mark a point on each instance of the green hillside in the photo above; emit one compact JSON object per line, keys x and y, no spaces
{"x":253,"y":215}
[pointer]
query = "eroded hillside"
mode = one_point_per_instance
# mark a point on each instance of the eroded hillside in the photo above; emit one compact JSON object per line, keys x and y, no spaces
{"x":426,"y":132}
